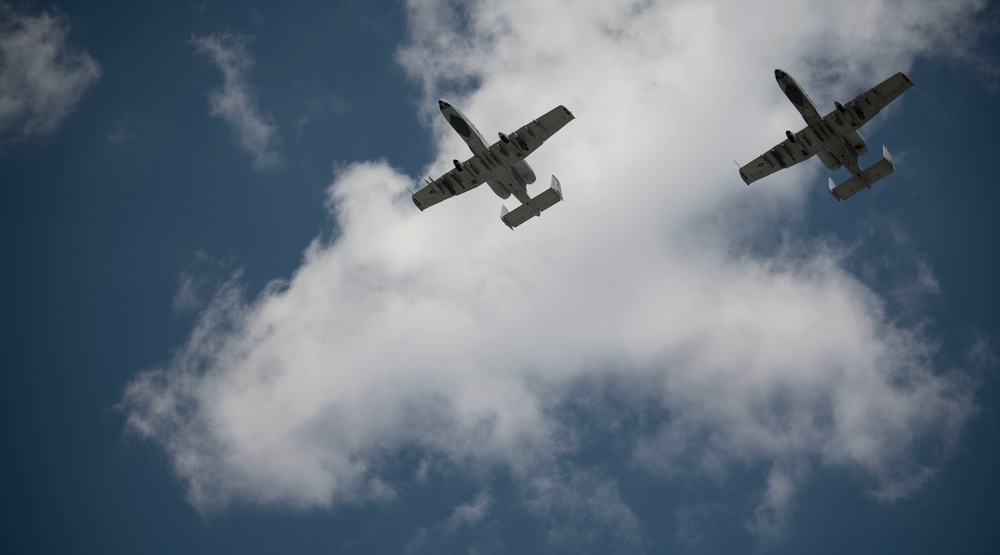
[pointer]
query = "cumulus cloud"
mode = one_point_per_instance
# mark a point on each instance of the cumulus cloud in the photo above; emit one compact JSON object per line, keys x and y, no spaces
{"x":42,"y":78}
{"x":445,"y":332}
{"x":236,"y":102}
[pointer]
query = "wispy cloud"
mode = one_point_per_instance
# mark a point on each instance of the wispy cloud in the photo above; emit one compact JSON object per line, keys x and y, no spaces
{"x":41,"y":77}
{"x":465,"y":516}
{"x":771,"y":517}
{"x":579,"y":506}
{"x":203,"y":277}
{"x":470,"y":513}
{"x":446,"y":333}
{"x":121,"y":132}
{"x":236,"y":101}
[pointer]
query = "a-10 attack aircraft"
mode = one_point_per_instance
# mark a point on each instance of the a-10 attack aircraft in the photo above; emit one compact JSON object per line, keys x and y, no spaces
{"x":502,"y":165}
{"x":834,"y":138}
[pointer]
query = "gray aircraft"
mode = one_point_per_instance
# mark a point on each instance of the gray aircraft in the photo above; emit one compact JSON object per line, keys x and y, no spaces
{"x":834,"y":138}
{"x":502,"y":165}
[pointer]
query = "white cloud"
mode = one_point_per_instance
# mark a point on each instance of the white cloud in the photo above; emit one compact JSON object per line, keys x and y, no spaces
{"x":41,"y":77}
{"x":236,"y":101}
{"x":446,"y":332}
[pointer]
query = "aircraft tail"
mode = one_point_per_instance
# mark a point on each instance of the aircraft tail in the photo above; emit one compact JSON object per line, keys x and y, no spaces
{"x":873,"y":173}
{"x":545,"y":200}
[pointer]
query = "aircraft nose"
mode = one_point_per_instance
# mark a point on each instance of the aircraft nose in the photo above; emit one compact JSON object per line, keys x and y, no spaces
{"x":778,"y":74}
{"x":442,"y":104}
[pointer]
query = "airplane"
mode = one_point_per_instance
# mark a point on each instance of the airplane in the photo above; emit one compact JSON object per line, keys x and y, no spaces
{"x":834,"y":138}
{"x":502,"y":166}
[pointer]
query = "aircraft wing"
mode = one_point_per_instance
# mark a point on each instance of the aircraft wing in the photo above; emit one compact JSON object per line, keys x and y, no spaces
{"x":455,"y":182}
{"x":527,"y":139}
{"x":872,"y":101}
{"x":798,"y":147}
{"x":868,"y":104}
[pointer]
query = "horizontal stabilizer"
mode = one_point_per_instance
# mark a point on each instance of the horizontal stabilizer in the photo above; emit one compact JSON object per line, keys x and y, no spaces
{"x":873,"y":173}
{"x":539,"y":204}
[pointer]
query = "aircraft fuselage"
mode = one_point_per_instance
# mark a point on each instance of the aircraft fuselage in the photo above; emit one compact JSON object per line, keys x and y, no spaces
{"x":505,"y":177}
{"x":837,"y":150}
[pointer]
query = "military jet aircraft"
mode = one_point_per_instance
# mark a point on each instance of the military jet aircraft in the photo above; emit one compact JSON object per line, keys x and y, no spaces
{"x":834,"y":138}
{"x":502,"y":165}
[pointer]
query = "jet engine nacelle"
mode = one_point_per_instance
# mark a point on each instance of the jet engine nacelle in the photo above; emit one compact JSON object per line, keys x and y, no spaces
{"x":829,"y":160}
{"x":857,"y":142}
{"x":458,"y":165}
{"x":504,"y":138}
{"x":524,"y":171}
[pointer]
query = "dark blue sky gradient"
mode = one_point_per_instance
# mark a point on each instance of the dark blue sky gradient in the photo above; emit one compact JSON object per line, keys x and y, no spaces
{"x":94,"y":235}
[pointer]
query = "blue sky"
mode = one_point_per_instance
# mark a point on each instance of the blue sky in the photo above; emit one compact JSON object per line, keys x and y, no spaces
{"x":228,"y":329}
